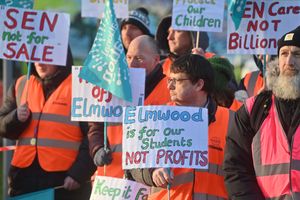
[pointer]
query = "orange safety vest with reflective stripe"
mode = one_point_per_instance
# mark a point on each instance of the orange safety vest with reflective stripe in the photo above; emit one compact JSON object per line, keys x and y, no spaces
{"x":235,"y":105}
{"x":50,"y":136}
{"x":253,"y":82}
{"x":159,"y":96}
{"x":276,"y":164}
{"x":191,"y":184}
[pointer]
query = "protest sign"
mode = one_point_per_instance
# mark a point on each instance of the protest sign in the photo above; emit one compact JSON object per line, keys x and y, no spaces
{"x":95,"y":8}
{"x":107,"y":188}
{"x":198,"y":15}
{"x":35,"y":36}
{"x":165,"y":136}
{"x":92,"y":103}
{"x":263,"y":23}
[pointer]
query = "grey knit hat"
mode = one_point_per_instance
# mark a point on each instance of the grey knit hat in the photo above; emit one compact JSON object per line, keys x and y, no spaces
{"x":138,"y":17}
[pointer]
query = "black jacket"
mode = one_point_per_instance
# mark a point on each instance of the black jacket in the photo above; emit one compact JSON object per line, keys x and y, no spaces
{"x":240,"y":178}
{"x":12,"y":128}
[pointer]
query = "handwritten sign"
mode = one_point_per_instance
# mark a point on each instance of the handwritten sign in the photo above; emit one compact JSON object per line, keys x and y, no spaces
{"x":198,"y":15}
{"x":36,"y":36}
{"x":165,"y":136}
{"x":95,"y":8}
{"x":108,"y":188}
{"x":263,"y":23}
{"x":92,"y":103}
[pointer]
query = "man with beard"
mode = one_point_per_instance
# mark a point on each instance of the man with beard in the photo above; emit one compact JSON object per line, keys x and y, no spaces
{"x":262,"y":156}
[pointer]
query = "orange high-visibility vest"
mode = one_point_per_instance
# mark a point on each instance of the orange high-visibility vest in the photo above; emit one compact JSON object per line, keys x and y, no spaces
{"x":51,"y":135}
{"x":235,"y":105}
{"x":160,"y":95}
{"x":253,"y":82}
{"x":200,"y":184}
{"x":276,"y":164}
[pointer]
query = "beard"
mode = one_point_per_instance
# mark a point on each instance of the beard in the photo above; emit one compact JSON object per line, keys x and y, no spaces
{"x":283,"y":85}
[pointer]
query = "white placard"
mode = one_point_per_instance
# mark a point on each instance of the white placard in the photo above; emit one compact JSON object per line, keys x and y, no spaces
{"x":263,"y":23}
{"x":35,"y":36}
{"x":165,"y":136}
{"x":198,"y":15}
{"x":108,"y":188}
{"x":95,"y":8}
{"x":92,"y":103}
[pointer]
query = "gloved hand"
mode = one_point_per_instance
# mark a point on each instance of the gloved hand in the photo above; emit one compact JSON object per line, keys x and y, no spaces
{"x":102,"y":157}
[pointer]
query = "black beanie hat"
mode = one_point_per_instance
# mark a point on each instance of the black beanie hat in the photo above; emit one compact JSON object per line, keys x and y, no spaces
{"x":291,"y":38}
{"x":138,"y":17}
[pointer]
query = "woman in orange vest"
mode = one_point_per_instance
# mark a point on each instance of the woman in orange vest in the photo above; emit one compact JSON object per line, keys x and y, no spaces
{"x":191,"y":83}
{"x":51,"y":150}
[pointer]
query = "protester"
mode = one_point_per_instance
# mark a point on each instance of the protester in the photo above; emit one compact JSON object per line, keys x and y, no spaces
{"x":262,"y":150}
{"x":191,"y":83}
{"x":136,"y":24}
{"x":175,"y":43}
{"x":142,"y":53}
{"x":253,"y":82}
{"x":225,"y":83}
{"x":51,"y":150}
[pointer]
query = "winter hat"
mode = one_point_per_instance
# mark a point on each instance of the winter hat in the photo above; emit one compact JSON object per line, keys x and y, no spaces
{"x":162,"y":34}
{"x":138,"y":17}
{"x":224,"y":73}
{"x":291,"y":38}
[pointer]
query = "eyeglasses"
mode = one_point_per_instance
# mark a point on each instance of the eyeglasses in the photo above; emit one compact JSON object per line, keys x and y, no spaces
{"x":174,"y":80}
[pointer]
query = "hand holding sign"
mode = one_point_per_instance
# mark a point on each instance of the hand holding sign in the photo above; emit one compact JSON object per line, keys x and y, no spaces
{"x":162,"y":178}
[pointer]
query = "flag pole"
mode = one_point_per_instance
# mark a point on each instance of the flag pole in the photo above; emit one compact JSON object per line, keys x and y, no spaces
{"x":169,"y":185}
{"x":105,"y":144}
{"x":197,"y":39}
{"x":27,"y":78}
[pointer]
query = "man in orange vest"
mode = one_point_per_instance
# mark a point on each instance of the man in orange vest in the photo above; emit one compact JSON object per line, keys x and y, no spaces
{"x":174,"y":43}
{"x":142,"y":53}
{"x":262,"y":151}
{"x":51,"y":150}
{"x":191,"y":83}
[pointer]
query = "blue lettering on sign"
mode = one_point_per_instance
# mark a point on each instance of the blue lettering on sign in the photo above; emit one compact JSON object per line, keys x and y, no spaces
{"x":81,"y":108}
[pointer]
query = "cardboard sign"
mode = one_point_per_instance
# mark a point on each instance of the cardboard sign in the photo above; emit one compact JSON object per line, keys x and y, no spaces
{"x":198,"y":15}
{"x":92,"y":103}
{"x":95,"y":8}
{"x":165,"y":136}
{"x":35,"y":36}
{"x":108,"y":188}
{"x":263,"y":23}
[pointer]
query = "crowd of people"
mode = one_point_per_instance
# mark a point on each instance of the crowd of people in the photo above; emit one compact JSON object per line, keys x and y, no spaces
{"x":252,"y":144}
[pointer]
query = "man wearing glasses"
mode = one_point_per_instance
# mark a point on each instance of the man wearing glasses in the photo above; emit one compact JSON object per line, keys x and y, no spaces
{"x":191,"y":84}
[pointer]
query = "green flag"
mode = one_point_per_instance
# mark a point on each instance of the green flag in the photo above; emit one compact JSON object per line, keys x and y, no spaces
{"x":105,"y":65}
{"x":18,"y":3}
{"x":236,"y":10}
